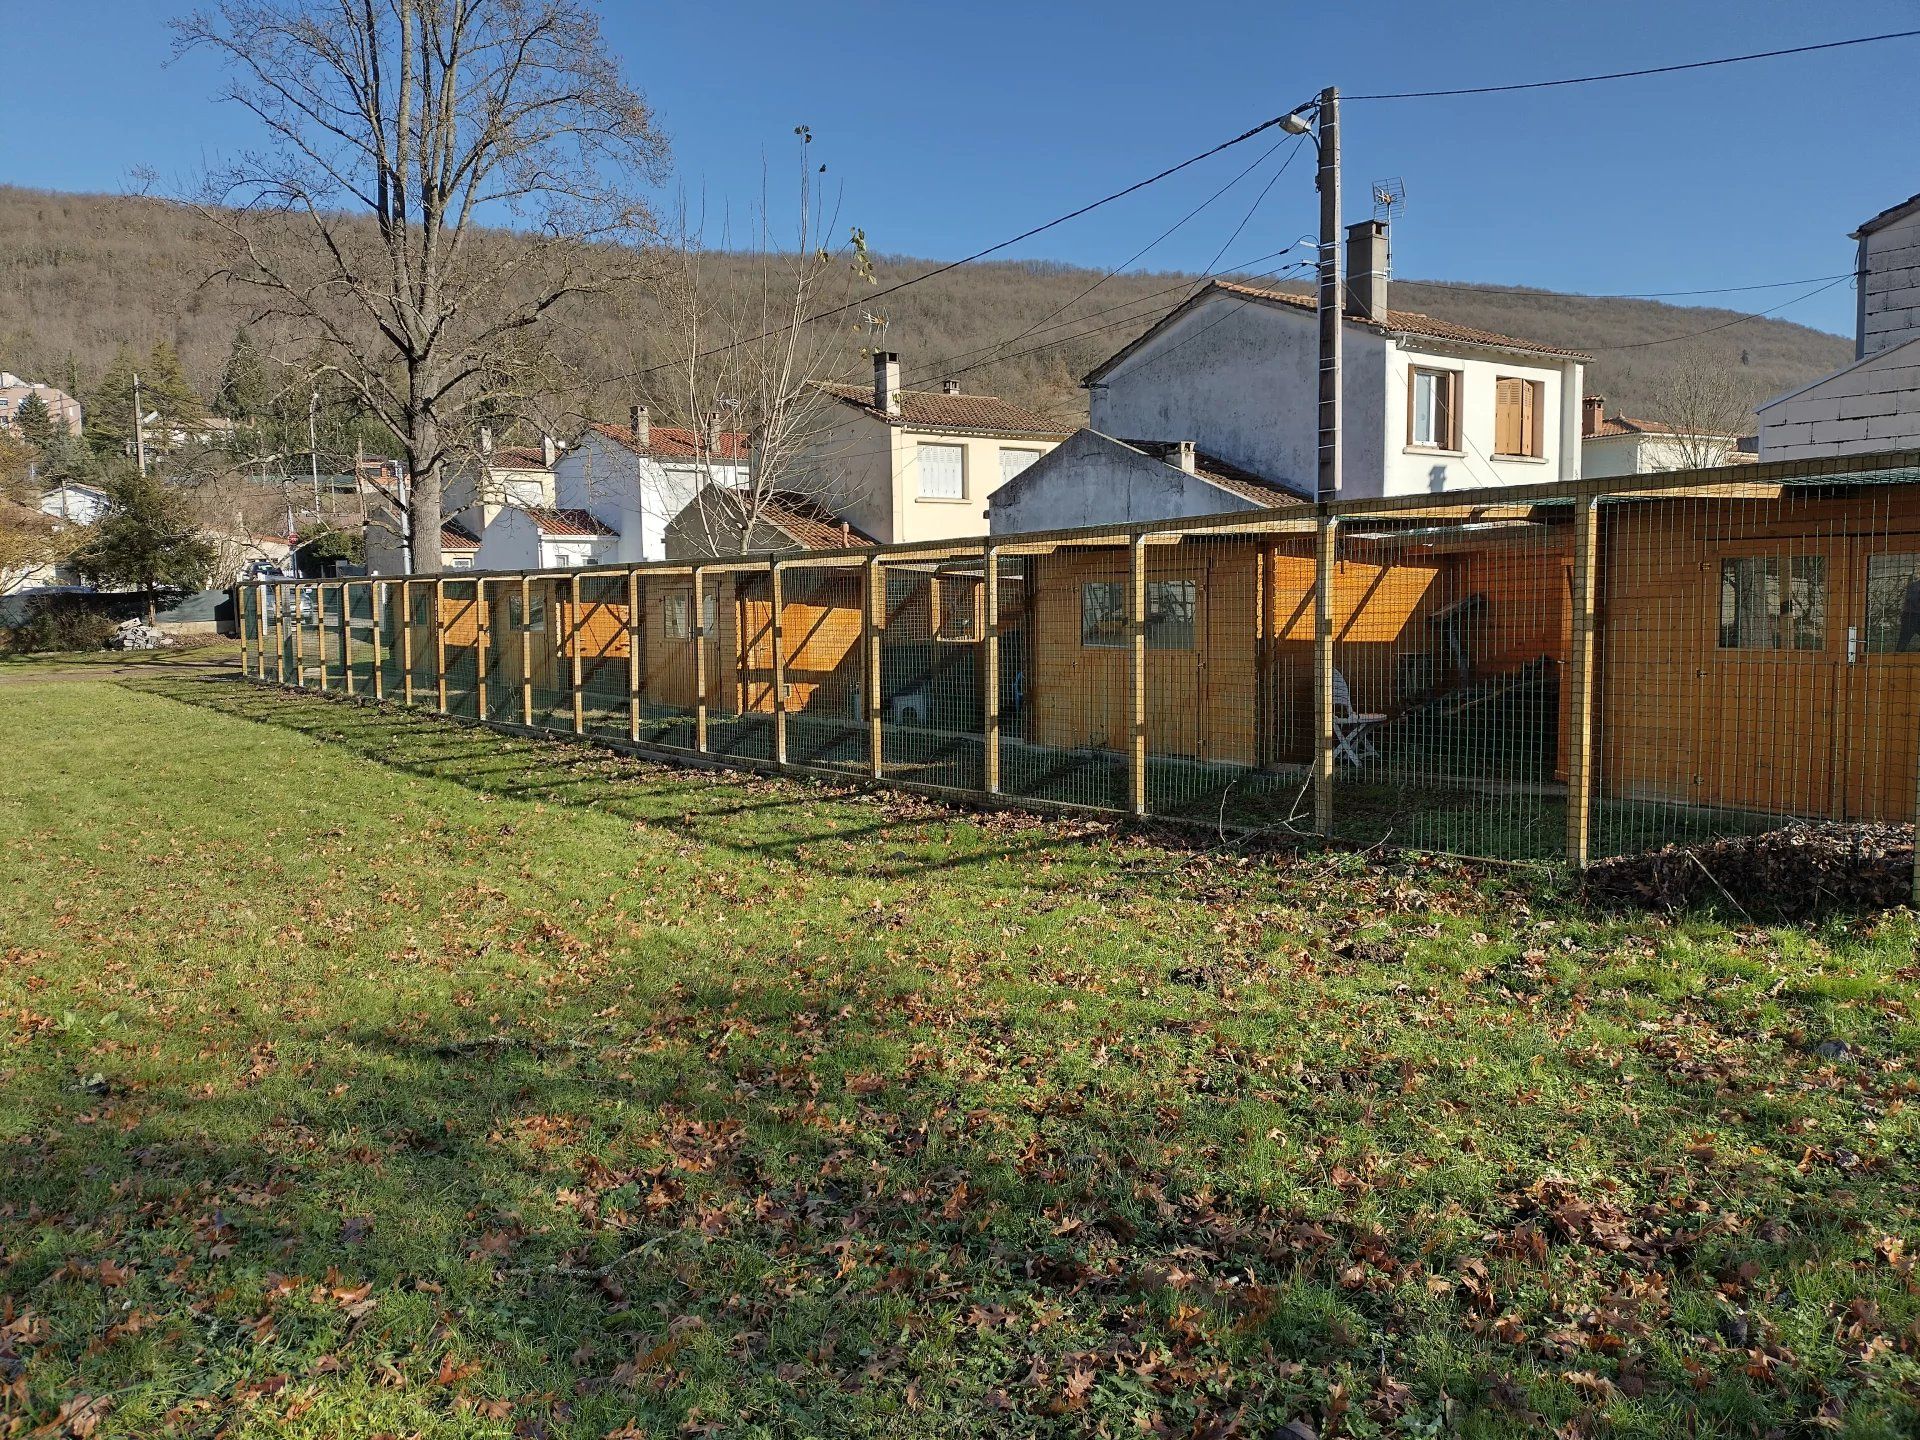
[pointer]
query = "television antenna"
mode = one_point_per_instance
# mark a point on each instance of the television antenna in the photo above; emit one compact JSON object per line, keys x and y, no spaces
{"x":1389,"y":198}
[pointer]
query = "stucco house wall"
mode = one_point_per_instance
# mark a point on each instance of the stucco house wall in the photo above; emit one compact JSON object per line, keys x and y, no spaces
{"x":1093,"y":479}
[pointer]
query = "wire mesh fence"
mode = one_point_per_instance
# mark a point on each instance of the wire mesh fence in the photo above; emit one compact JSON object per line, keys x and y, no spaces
{"x":1554,"y":672}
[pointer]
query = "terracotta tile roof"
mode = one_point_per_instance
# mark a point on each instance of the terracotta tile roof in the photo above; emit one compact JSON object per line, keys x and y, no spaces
{"x":455,"y":536}
{"x":1406,"y":322}
{"x":1226,"y":475}
{"x":569,"y":522}
{"x":926,"y":410}
{"x":520,"y":457}
{"x":675,"y":442}
{"x":811,"y":525}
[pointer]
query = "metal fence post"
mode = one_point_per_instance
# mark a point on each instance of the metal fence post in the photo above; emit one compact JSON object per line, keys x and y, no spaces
{"x":990,"y":667}
{"x":1580,"y":683}
{"x":1137,"y":676}
{"x":440,"y":644}
{"x":779,"y":664}
{"x":1326,"y":538}
{"x":526,"y":652}
{"x":375,"y":597}
{"x":699,"y":628}
{"x":406,"y":641}
{"x":876,"y":629}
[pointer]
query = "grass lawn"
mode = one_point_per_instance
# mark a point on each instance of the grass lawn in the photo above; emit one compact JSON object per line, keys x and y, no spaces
{"x":365,"y":1074}
{"x":190,"y":650}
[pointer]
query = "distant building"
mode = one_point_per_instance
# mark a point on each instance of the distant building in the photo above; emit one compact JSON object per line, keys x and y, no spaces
{"x":716,"y":523}
{"x":473,"y":493}
{"x":1873,"y":404}
{"x":910,"y":465}
{"x":61,"y":407}
{"x":1095,"y":479}
{"x":1625,"y":445}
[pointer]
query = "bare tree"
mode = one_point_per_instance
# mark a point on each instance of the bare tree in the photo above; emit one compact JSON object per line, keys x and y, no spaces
{"x":1708,"y":404}
{"x":749,"y":362}
{"x":438,"y":177}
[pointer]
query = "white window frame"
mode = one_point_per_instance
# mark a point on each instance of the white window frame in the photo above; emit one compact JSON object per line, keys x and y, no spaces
{"x":920,"y":469}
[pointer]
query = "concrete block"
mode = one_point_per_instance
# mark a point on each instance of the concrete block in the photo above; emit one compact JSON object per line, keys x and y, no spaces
{"x":1855,"y":407}
{"x":1894,"y":427}
{"x":1820,"y":406}
{"x":1839,"y":430}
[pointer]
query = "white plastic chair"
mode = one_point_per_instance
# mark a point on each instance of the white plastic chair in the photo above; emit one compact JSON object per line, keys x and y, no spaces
{"x":1352,"y":729}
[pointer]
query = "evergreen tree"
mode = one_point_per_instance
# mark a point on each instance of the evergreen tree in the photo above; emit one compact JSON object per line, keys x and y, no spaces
{"x":35,"y":422}
{"x":110,"y":406}
{"x":164,"y":387}
{"x":147,"y":541}
{"x":246,"y":394}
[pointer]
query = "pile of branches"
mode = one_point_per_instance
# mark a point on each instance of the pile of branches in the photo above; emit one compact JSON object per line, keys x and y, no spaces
{"x":1793,"y":872}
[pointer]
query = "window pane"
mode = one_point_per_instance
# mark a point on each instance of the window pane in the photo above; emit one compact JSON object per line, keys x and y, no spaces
{"x":941,"y":472}
{"x":1750,"y":603}
{"x":1423,"y":387}
{"x":1170,"y":614}
{"x":1103,"y":613}
{"x":1893,"y":604}
{"x":673,"y":617}
{"x":1807,"y":602}
{"x":1012,"y":462}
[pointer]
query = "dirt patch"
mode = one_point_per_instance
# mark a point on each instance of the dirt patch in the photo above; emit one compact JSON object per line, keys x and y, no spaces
{"x":1795,"y":871}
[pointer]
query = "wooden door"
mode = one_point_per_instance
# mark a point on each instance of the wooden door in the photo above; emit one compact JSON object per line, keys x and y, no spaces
{"x":1879,"y":736}
{"x":1765,"y":715}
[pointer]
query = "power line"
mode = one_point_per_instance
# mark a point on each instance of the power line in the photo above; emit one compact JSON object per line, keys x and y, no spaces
{"x":1635,"y":74}
{"x":1725,"y":324}
{"x":1526,"y":290}
{"x":938,"y":270}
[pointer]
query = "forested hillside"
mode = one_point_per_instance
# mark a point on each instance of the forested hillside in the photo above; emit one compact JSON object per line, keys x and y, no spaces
{"x":81,"y":275}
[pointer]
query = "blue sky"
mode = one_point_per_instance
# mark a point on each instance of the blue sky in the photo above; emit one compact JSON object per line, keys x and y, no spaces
{"x":951,"y":126}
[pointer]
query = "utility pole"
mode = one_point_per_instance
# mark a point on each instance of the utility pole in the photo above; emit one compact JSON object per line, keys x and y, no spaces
{"x":1332,"y":297}
{"x":139,"y":429}
{"x":313,"y":449}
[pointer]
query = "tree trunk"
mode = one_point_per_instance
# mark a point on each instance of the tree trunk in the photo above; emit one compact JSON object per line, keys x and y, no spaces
{"x":423,"y":496}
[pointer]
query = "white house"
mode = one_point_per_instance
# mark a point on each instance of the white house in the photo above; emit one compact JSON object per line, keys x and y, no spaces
{"x":538,"y":538}
{"x":909,"y":465}
{"x":1427,"y":405}
{"x":1095,"y":479}
{"x":631,"y":480}
{"x":1627,"y":445}
{"x":1873,"y":404}
{"x":473,"y":493}
{"x":75,"y":504}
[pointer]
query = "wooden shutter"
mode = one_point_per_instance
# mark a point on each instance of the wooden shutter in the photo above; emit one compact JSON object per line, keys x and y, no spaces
{"x":1508,"y":408}
{"x":1446,"y":410}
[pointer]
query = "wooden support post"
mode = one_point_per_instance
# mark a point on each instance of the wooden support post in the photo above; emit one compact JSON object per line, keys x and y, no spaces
{"x":406,"y":642}
{"x":526,"y":652}
{"x":280,"y":634}
{"x":1325,"y":548}
{"x":346,"y":635}
{"x":482,"y":648}
{"x":699,"y":628}
{"x":320,"y":632}
{"x":375,"y":599}
{"x":1266,"y":738}
{"x":1137,"y":676}
{"x":876,"y":628}
{"x":440,"y":644}
{"x":990,"y":668}
{"x":634,"y":623}
{"x":779,"y":664}
{"x":1586,"y":534}
{"x":574,"y":631}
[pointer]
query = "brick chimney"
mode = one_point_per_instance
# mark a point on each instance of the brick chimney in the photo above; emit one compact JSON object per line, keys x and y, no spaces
{"x":1367,"y":266}
{"x":638,"y":423}
{"x":886,"y":382}
{"x":949,"y":387}
{"x":1593,"y":410}
{"x":1181,"y":456}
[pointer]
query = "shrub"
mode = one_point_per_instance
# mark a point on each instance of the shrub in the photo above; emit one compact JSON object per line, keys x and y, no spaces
{"x":62,"y":622}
